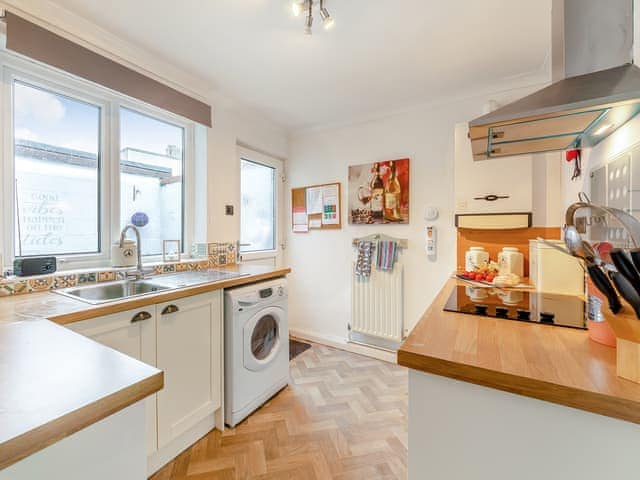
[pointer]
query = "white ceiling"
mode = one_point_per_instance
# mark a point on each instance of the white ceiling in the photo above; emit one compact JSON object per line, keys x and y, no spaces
{"x":382,"y":55}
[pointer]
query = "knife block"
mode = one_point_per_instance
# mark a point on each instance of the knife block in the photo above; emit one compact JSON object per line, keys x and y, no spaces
{"x":626,"y":327}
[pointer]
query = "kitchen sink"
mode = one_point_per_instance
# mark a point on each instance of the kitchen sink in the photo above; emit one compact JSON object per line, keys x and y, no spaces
{"x":197,"y":277}
{"x":112,"y":291}
{"x":109,"y":292}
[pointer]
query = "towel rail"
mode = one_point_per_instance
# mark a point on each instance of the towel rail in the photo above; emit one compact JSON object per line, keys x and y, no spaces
{"x":402,"y":242}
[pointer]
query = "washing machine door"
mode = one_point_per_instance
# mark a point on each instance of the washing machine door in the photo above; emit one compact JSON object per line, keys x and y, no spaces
{"x":262,"y":338}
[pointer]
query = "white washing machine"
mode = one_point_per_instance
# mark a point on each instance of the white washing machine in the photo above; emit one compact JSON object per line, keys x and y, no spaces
{"x":256,"y":346}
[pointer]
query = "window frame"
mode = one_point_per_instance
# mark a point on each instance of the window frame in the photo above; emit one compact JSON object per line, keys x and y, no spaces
{"x":278,"y":165}
{"x":274,"y":173}
{"x":56,"y":81}
{"x":188,"y":177}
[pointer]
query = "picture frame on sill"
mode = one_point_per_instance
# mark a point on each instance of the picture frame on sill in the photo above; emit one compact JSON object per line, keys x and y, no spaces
{"x":171,"y":250}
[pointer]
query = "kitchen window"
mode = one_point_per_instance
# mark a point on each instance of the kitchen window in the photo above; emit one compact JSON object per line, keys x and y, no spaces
{"x":57,"y":154}
{"x":83,"y":163}
{"x":151,"y":177}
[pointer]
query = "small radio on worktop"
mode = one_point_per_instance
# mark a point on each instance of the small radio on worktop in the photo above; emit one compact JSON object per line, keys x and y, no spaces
{"x":28,"y":266}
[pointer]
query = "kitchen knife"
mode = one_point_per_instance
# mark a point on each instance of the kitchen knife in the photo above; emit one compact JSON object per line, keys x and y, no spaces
{"x":625,"y":267}
{"x":626,"y":290}
{"x":603,"y":284}
{"x":635,"y":256}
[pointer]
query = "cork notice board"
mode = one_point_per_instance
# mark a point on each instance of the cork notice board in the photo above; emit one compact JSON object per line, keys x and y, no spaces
{"x":316,"y":207}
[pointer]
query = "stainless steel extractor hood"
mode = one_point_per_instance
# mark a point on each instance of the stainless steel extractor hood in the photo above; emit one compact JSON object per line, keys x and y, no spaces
{"x":579,"y":110}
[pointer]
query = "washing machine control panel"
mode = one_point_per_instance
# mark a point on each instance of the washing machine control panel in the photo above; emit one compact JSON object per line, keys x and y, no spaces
{"x":265,"y":292}
{"x":271,"y":291}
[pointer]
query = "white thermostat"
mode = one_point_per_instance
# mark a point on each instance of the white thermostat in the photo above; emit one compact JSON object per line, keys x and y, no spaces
{"x":430,"y":213}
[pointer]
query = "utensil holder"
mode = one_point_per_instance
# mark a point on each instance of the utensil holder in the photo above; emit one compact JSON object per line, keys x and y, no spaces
{"x":626,"y":327}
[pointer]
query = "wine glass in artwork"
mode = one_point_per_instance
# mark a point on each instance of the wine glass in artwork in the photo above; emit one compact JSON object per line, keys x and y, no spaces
{"x":364,"y":195}
{"x":363,"y":215}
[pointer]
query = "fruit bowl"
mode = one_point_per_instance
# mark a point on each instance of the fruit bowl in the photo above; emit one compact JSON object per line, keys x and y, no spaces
{"x":478,"y":276}
{"x":508,"y":280}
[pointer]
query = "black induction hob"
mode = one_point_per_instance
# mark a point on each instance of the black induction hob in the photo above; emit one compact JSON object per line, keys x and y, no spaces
{"x":524,"y":306}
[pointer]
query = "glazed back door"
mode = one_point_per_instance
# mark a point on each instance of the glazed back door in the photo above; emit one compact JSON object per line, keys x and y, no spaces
{"x":261,"y":185}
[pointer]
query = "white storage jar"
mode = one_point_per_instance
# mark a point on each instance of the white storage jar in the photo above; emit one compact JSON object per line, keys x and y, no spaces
{"x":511,"y":260}
{"x":475,"y":257}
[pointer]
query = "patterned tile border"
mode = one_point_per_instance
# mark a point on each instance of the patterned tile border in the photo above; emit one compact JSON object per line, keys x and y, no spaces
{"x":65,"y":281}
{"x":218,"y":255}
{"x":84,"y":278}
{"x":107,"y":276}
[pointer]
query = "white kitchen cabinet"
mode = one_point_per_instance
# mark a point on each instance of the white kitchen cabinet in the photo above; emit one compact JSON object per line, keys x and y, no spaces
{"x":509,"y":177}
{"x":133,"y":333}
{"x":189,"y":351}
{"x":184,"y":339}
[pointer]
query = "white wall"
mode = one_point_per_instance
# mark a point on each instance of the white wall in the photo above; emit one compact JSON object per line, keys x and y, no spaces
{"x":620,"y":141}
{"x":548,"y":209}
{"x":232,"y":127}
{"x":319,"y":301}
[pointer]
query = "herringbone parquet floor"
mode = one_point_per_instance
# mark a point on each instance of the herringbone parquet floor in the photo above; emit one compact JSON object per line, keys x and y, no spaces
{"x":343,"y":416}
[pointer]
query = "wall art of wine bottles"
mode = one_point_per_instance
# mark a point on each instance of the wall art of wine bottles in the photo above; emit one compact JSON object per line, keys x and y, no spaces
{"x":379,"y":192}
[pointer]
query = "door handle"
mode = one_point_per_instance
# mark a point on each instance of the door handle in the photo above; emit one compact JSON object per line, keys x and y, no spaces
{"x":140,"y":316}
{"x":246,"y":304}
{"x":170,"y":309}
{"x":238,"y":254}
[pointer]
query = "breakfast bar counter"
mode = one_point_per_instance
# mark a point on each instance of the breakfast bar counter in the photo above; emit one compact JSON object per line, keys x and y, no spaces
{"x":54,"y":382}
{"x":556,"y":364}
{"x":501,"y":393}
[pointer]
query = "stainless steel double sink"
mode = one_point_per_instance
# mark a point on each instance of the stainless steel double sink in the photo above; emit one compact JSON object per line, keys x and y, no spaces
{"x":124,"y":289}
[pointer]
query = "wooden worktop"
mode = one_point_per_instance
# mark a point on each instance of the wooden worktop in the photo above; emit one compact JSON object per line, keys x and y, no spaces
{"x":54,"y":382}
{"x":64,"y":310}
{"x":559,"y":365}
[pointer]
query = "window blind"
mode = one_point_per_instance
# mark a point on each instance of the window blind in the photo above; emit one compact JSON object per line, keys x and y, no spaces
{"x":40,"y":44}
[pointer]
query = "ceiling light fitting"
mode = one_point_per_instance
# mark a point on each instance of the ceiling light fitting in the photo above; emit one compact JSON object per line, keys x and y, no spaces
{"x":306,"y":6}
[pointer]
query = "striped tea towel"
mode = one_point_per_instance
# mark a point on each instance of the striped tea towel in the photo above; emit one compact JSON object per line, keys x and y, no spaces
{"x":387,"y":253}
{"x":363,"y":262}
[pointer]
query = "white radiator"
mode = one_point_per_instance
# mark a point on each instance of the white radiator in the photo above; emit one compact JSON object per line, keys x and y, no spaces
{"x":377,"y":303}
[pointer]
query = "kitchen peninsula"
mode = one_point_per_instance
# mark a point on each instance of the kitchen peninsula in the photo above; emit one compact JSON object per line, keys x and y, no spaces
{"x":488,"y":398}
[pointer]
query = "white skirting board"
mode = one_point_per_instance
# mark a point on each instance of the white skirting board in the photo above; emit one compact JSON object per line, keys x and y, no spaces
{"x":344,"y":344}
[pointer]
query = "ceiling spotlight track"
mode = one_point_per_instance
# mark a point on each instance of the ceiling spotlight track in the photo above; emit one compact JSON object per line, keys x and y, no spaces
{"x":309,"y":22}
{"x":306,"y":6}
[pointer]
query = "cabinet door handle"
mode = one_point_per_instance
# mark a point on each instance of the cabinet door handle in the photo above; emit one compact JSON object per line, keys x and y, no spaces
{"x":170,"y":309}
{"x":140,"y":316}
